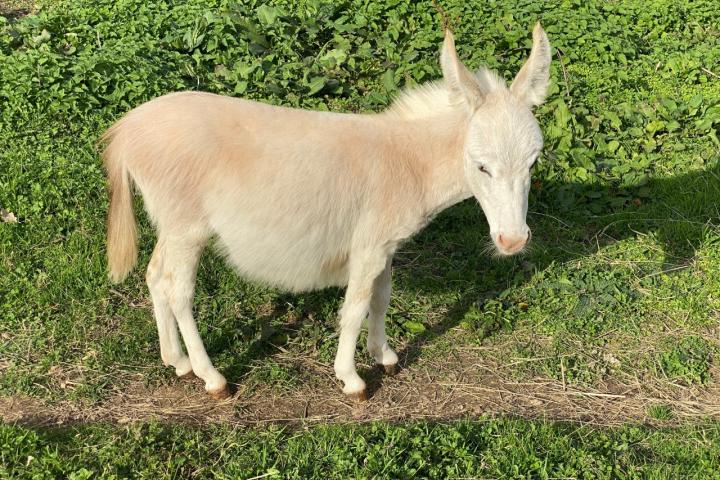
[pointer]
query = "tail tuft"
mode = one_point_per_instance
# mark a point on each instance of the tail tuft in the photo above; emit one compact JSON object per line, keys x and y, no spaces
{"x":122,"y":250}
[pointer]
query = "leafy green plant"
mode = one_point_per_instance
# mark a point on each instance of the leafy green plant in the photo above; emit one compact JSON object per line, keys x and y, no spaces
{"x":686,"y":359}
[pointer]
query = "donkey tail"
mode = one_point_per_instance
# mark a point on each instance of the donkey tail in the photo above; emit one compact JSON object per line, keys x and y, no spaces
{"x":122,"y":250}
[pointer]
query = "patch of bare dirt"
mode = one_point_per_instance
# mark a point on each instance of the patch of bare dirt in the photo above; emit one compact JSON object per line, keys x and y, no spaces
{"x":15,"y":9}
{"x":462,"y":384}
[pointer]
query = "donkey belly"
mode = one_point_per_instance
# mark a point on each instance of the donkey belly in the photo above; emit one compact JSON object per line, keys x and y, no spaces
{"x":296,"y":259}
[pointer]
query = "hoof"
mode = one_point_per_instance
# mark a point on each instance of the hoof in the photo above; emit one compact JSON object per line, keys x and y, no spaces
{"x":391,"y":369}
{"x":360,"y":396}
{"x":220,"y":394}
{"x":188,"y":376}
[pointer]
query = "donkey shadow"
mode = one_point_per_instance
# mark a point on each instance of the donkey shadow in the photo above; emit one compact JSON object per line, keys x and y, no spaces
{"x":453,"y":250}
{"x":678,"y":211}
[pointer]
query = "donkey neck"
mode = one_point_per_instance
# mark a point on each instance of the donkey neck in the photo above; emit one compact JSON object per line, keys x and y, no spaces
{"x":437,"y":156}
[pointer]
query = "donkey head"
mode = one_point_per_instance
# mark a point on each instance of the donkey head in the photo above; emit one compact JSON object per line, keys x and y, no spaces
{"x":503,"y":138}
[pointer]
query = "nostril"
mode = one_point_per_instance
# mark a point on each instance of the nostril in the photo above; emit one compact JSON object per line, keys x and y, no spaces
{"x":501,"y":240}
{"x":512,"y":242}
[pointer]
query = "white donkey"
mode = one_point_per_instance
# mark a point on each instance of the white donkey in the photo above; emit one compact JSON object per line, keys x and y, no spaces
{"x":303,"y":200}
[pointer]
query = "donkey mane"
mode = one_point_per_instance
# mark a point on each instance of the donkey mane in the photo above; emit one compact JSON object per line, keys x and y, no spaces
{"x":434,"y":98}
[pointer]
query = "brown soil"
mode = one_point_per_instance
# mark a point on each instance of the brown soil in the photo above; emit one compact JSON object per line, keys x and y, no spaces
{"x":14,"y":9}
{"x":460,"y":384}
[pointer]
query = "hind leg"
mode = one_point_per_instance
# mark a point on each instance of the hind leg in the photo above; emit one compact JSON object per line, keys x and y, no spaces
{"x":171,"y":350}
{"x":376,"y":340}
{"x":181,"y":255}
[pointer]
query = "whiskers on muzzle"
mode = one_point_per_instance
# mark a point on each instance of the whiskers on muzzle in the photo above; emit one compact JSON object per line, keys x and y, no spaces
{"x":491,"y":249}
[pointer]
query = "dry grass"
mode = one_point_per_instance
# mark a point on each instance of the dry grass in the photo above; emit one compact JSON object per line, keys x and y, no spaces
{"x":462,"y":383}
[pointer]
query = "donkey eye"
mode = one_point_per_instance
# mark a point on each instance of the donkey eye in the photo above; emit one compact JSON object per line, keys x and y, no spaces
{"x":484,"y":170}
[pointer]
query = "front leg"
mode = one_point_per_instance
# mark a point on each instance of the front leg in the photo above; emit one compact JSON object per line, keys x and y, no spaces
{"x":376,"y":341}
{"x":364,"y":271}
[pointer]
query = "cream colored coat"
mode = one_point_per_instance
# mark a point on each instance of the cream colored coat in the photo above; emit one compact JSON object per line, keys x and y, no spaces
{"x":303,"y":200}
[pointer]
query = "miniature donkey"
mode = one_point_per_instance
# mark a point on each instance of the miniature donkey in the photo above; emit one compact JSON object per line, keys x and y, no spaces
{"x":303,"y":200}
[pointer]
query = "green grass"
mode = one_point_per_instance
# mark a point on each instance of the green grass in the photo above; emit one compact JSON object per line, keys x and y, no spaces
{"x":620,"y":285}
{"x":628,"y":189}
{"x":488,"y":448}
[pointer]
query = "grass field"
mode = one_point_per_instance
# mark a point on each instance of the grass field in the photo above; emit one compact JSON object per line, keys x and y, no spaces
{"x":594,"y":355}
{"x":508,"y":448}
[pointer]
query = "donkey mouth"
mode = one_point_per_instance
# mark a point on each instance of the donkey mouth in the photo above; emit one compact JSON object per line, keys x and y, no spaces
{"x":509,"y":252}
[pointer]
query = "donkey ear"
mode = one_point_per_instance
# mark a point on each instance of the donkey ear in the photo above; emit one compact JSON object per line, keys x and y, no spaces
{"x":464,"y":87}
{"x":532,"y":81}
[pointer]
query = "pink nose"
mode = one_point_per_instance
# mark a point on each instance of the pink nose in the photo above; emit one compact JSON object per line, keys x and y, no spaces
{"x":512,"y":243}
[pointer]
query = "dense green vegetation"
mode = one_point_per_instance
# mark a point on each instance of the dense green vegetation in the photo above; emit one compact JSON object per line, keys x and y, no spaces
{"x":484,"y":449}
{"x":619,"y":288}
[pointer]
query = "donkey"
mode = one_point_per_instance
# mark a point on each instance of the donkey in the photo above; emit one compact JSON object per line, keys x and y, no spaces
{"x":303,"y":200}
